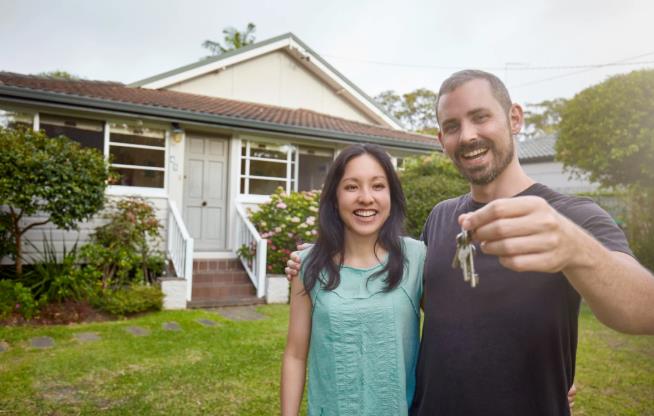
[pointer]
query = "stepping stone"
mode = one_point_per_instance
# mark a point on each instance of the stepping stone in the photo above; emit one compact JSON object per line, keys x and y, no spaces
{"x":138,"y":331}
{"x":4,"y":346}
{"x":240,"y":313}
{"x":206,"y":322}
{"x":171,"y":326}
{"x":42,"y":342}
{"x":87,"y":336}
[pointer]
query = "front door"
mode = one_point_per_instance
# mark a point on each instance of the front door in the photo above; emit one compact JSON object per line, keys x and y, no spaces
{"x":205,"y":190}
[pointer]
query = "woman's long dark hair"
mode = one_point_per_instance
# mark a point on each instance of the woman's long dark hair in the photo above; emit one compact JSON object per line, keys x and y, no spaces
{"x":330,"y":245}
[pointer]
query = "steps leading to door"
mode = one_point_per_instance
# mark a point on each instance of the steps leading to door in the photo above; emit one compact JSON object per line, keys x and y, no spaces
{"x":221,"y":282}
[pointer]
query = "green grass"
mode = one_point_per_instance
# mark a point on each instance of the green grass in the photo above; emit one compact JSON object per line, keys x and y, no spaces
{"x":233,"y":368}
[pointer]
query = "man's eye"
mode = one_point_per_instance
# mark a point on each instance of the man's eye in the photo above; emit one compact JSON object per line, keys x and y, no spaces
{"x":450,"y":128}
{"x":481,"y":117}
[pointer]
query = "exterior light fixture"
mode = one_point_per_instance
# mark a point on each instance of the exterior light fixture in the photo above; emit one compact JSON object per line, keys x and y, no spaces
{"x":177,"y":133}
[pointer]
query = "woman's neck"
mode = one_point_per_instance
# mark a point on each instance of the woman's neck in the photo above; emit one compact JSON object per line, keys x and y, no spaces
{"x":362,"y":252}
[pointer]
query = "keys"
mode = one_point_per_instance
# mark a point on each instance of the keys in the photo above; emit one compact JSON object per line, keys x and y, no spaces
{"x":464,"y":258}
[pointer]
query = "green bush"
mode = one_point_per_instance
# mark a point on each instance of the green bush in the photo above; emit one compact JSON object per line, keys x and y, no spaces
{"x":122,"y":249}
{"x":55,"y":177}
{"x":130,"y":300}
{"x":55,"y":279}
{"x":7,"y":244}
{"x":14,"y":297}
{"x":285,"y":221}
{"x":640,"y":225}
{"x":426,"y":181}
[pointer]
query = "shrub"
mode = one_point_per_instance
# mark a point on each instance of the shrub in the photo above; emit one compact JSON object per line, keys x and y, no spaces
{"x":56,"y":280}
{"x":122,"y":249}
{"x":426,"y":181}
{"x":7,"y":244}
{"x":14,"y":297}
{"x":286,"y":221}
{"x":130,"y":300}
{"x":640,"y":225}
{"x":54,"y":177}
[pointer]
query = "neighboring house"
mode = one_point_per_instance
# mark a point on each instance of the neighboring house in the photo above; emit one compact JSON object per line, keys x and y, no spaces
{"x":537,"y":159}
{"x":205,"y":141}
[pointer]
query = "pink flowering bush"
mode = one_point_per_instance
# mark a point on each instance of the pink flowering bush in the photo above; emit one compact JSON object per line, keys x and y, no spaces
{"x":285,"y":221}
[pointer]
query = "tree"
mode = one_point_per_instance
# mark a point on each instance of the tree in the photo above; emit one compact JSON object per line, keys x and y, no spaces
{"x":59,"y":74}
{"x":543,"y":117}
{"x":232,"y":38}
{"x":415,"y":109}
{"x":52,"y":177}
{"x":428,"y":180}
{"x":608,"y":131}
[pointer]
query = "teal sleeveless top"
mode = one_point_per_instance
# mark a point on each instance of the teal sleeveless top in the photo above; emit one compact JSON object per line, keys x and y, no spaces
{"x":364,"y":341}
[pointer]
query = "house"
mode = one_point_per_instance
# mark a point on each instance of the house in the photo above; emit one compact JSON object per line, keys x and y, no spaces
{"x":205,"y":141}
{"x":536,"y":157}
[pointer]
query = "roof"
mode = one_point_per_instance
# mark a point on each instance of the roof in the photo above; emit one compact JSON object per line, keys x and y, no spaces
{"x":288,"y":41}
{"x":180,"y":107}
{"x":537,"y":149}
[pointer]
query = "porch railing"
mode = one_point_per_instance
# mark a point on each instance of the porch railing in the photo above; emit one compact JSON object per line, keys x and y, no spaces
{"x":254,"y":261}
{"x":180,"y":247}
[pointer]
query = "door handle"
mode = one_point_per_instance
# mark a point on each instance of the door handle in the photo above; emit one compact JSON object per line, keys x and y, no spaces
{"x":204,"y":203}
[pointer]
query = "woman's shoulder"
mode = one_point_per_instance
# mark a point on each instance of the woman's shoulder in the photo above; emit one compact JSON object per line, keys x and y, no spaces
{"x":414,"y":247}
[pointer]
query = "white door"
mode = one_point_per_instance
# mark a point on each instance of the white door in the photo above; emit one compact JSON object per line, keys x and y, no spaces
{"x":205,"y":191}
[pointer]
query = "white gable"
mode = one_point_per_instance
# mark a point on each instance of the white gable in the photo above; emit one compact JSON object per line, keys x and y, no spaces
{"x":281,"y":71}
{"x":275,"y":78}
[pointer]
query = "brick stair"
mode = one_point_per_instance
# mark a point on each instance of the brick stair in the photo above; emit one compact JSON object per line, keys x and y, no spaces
{"x":221,"y":282}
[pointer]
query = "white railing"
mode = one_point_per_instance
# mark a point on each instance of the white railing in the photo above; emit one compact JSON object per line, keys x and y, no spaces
{"x":255,"y":264}
{"x":180,"y":247}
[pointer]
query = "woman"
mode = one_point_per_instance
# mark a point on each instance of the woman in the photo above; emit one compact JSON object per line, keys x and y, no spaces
{"x":355,"y":311}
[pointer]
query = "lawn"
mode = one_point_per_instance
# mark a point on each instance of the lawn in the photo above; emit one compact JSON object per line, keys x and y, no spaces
{"x":233,"y":367}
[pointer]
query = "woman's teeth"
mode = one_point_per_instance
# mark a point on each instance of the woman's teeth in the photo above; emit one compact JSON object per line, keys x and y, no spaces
{"x":365,"y":213}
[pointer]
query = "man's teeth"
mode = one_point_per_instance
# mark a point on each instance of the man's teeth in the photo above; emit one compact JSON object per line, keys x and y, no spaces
{"x":474,"y":153}
{"x":365,"y":213}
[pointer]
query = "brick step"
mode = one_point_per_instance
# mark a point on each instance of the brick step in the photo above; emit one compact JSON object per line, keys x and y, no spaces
{"x":220,"y":278}
{"x":225,"y":291}
{"x":216,"y":265}
{"x":213,"y":303}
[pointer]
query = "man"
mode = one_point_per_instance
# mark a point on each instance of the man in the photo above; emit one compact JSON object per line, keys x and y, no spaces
{"x":508,"y":346}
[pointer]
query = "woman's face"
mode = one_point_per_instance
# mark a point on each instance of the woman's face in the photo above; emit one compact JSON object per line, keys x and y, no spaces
{"x":364,"y":198}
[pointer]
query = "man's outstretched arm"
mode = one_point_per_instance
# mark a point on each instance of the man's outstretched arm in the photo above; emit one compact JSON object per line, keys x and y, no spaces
{"x":527,"y":234}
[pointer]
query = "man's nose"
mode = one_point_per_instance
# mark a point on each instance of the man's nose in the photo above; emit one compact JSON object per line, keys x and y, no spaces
{"x":468,"y":131}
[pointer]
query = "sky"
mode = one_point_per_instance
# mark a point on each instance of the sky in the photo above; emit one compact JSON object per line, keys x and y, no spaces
{"x":541,"y":49}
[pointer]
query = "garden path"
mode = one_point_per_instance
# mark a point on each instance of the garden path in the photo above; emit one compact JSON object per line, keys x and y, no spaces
{"x":233,"y":313}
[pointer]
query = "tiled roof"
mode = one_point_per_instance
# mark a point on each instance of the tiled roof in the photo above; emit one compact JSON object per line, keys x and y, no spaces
{"x":291,"y":119}
{"x":538,"y":148}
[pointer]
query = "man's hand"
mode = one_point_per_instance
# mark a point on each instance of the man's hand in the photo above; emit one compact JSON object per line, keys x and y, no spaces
{"x":294,"y":263}
{"x":526,"y":233}
{"x":292,"y":266}
{"x":572,"y":393}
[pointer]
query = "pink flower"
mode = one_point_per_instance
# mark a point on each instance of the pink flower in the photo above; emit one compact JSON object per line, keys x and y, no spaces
{"x":281,"y":205}
{"x":17,"y":305}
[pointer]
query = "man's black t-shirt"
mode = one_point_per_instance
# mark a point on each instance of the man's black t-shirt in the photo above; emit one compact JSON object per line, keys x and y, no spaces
{"x":508,"y":346}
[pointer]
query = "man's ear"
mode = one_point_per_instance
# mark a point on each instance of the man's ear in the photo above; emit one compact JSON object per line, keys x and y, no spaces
{"x":516,"y":118}
{"x":440,"y":139}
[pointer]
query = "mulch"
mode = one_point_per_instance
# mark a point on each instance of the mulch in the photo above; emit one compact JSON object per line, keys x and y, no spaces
{"x":68,"y":312}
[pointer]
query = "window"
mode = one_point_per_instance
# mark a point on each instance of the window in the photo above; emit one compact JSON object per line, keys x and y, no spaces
{"x":15,"y":119}
{"x":264,"y":167}
{"x":314,"y":164}
{"x":138,"y":154}
{"x":87,"y":133}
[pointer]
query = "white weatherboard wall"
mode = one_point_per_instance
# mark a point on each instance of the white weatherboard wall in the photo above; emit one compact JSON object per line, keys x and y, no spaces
{"x":552,"y":175}
{"x":61,"y":238}
{"x":276,"y":79}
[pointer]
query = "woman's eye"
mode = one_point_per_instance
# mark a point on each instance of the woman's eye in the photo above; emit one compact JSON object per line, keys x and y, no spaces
{"x":379,"y":186}
{"x":350,"y":187}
